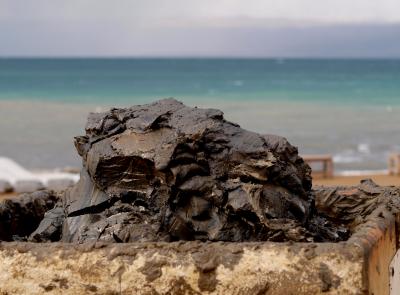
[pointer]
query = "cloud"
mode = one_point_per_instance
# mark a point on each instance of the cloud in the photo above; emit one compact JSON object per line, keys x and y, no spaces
{"x":78,"y":39}
{"x":248,"y":28}
{"x":132,"y":10}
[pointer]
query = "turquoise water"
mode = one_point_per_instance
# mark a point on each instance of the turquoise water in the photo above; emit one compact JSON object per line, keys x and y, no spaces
{"x":131,"y":80}
{"x":349,"y":108}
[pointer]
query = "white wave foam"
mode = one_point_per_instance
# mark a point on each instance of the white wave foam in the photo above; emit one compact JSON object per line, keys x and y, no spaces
{"x":361,"y":172}
{"x":13,"y":172}
{"x":238,"y":83}
{"x":364,"y":148}
{"x":360,"y":154}
{"x":347,"y":158}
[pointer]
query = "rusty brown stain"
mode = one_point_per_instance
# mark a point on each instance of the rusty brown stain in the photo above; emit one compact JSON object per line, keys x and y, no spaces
{"x":91,"y":288}
{"x":328,"y":279}
{"x":48,"y":288}
{"x":152,"y":269}
{"x":62,"y":282}
{"x":181,"y":287}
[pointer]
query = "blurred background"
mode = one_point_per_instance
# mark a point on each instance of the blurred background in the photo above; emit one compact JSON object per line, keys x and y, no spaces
{"x":324,"y":74}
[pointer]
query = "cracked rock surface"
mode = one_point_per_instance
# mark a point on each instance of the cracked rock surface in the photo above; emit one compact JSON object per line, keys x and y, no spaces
{"x":165,"y":171}
{"x":19,"y":216}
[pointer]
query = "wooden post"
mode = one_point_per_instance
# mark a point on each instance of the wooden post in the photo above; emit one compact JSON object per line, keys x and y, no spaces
{"x":329,"y":169}
{"x":394,"y":164}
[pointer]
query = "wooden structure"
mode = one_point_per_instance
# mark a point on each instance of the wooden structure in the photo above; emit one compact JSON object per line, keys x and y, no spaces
{"x":325,"y":160}
{"x":394,"y":164}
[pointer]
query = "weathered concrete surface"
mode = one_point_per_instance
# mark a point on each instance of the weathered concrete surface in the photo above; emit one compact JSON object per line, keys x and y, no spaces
{"x":182,"y":268}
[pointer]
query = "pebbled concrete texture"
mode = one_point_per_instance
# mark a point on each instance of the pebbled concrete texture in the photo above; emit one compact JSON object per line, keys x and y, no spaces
{"x":182,"y":268}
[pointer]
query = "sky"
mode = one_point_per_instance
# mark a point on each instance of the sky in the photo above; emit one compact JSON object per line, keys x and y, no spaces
{"x":200,"y":28}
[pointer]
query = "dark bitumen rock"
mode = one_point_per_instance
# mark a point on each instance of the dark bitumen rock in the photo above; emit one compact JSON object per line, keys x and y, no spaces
{"x":20,"y":216}
{"x":50,"y":228}
{"x":354,"y":205}
{"x":165,"y":172}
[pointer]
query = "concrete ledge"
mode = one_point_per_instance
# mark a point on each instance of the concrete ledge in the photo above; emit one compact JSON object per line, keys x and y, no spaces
{"x":182,"y":268}
{"x":358,"y":266}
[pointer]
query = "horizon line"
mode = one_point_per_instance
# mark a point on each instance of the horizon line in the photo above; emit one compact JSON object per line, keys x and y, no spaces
{"x":190,"y":57}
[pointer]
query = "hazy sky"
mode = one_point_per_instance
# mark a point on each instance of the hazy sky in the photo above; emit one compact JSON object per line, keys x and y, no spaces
{"x":250,"y":28}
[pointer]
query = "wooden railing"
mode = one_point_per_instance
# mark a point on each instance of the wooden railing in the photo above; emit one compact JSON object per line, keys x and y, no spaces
{"x":325,"y":160}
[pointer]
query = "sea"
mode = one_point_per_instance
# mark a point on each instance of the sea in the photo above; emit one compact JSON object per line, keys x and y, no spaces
{"x":349,"y":108}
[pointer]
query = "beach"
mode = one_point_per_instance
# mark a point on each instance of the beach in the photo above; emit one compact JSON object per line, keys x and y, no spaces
{"x":345,"y":107}
{"x":384,"y":180}
{"x":7,"y":196}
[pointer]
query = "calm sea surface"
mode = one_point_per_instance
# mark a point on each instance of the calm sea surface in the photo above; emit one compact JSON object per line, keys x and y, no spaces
{"x":349,"y":108}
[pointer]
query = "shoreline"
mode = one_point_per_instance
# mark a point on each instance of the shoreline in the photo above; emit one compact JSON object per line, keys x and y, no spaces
{"x":349,"y":180}
{"x":44,"y":136}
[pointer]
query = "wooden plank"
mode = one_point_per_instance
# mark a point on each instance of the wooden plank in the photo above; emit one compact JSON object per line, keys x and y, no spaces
{"x":317,"y":157}
{"x":327,"y":164}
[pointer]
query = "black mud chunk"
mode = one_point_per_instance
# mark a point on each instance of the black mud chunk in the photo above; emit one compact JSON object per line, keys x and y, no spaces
{"x":50,"y":228}
{"x":165,"y":171}
{"x":21,"y":215}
